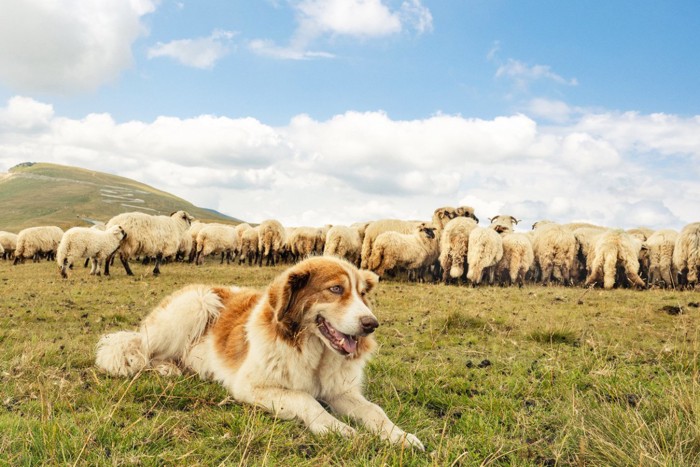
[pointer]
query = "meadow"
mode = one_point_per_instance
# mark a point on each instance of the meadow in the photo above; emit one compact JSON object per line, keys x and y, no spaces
{"x":483,"y":376}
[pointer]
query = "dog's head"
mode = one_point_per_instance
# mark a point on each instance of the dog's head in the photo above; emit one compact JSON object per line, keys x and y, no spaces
{"x":325,"y":297}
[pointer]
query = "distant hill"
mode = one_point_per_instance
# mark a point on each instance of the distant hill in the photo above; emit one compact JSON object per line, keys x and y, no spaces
{"x":33,"y":194}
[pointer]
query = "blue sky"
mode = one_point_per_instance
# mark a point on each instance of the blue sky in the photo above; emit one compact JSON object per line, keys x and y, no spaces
{"x":344,"y":110}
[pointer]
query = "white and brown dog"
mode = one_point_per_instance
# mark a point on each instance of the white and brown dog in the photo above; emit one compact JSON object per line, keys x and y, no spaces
{"x":303,"y":339}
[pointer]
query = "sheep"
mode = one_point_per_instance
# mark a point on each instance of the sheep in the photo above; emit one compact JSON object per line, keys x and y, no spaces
{"x":581,"y":225}
{"x":34,"y":242}
{"x":485,"y":251}
{"x":642,"y":233}
{"x":454,"y":244}
{"x":217,"y":238}
{"x":555,"y":251}
{"x":270,"y":242}
{"x":2,"y":251}
{"x":413,"y":251}
{"x":585,"y":243}
{"x":249,"y":246}
{"x":192,"y":232}
{"x":659,"y":253}
{"x":343,"y":242}
{"x":466,"y":211}
{"x":518,"y":257}
{"x":149,"y":235}
{"x":686,"y":254}
{"x":503,"y":224}
{"x":83,"y":242}
{"x":240,"y":228}
{"x":441,"y":216}
{"x":8,"y":241}
{"x":361,"y":227}
{"x":376,"y":228}
{"x":306,"y":241}
{"x":615,"y":248}
{"x":184,"y":250}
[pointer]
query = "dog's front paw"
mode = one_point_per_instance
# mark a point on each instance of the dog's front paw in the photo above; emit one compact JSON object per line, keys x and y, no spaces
{"x":411,"y":440}
{"x":339,"y":427}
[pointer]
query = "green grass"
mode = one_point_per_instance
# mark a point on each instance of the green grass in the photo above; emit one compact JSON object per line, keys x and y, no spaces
{"x":483,"y":376}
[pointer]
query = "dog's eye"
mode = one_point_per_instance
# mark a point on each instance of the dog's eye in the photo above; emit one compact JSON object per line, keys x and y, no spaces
{"x":337,"y":289}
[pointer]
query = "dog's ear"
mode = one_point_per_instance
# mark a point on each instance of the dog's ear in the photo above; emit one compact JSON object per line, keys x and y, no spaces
{"x":371,"y":279}
{"x":284,"y":293}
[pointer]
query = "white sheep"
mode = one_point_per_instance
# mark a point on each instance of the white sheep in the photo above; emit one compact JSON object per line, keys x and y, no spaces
{"x":83,"y":242}
{"x":374,"y":229}
{"x":454,"y":245}
{"x":343,"y":242}
{"x":149,"y":236}
{"x":659,"y":255}
{"x":34,"y":242}
{"x":272,"y":237}
{"x":503,"y":223}
{"x":240,"y":228}
{"x":518,"y":257}
{"x":615,"y":249}
{"x":485,"y":251}
{"x":361,"y":228}
{"x":192,"y":233}
{"x":414,"y":252}
{"x":306,"y":241}
{"x":217,"y":238}
{"x":8,"y":241}
{"x":555,"y":251}
{"x":642,"y":233}
{"x":466,"y":211}
{"x":249,"y":246}
{"x":585,"y":244}
{"x":686,"y":254}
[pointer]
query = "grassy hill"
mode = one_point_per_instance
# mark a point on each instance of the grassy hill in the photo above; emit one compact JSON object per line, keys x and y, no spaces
{"x":33,"y":194}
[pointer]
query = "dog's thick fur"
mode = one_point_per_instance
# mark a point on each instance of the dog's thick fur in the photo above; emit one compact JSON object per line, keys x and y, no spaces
{"x":303,"y":339}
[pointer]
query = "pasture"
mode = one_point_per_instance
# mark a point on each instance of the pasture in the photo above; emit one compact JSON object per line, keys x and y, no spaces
{"x":483,"y":376}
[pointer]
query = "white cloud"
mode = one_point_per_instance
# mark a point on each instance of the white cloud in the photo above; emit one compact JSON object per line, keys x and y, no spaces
{"x":523,"y":74}
{"x":202,"y":52}
{"x":361,"y":166}
{"x":68,"y":46}
{"x":363,"y":19}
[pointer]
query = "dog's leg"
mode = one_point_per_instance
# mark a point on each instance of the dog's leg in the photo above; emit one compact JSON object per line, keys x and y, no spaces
{"x":288,"y":404}
{"x":373,"y":417}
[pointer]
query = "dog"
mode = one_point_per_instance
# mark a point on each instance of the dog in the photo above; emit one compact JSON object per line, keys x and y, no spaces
{"x":304,"y":339}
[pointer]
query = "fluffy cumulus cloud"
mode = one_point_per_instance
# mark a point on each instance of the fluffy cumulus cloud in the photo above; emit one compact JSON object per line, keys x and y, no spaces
{"x":600,"y":168}
{"x":351,"y":18}
{"x":67,"y":46}
{"x":202,"y":52}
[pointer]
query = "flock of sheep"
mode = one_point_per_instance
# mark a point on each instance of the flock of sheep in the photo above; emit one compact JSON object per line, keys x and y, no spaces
{"x":452,"y":247}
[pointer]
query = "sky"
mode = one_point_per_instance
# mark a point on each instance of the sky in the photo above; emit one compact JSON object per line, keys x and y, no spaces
{"x":337,"y":111}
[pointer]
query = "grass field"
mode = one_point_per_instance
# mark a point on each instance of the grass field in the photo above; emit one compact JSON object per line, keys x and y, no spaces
{"x":485,"y":376}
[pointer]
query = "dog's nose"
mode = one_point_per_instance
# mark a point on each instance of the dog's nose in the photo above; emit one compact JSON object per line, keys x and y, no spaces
{"x":369,"y":324}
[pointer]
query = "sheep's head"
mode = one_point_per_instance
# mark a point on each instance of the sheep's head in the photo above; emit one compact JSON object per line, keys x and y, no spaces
{"x":502,"y":229}
{"x":427,"y":229}
{"x":184,"y":215}
{"x":466,"y":211}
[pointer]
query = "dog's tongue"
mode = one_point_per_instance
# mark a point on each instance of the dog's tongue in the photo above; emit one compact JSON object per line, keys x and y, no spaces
{"x":349,"y":344}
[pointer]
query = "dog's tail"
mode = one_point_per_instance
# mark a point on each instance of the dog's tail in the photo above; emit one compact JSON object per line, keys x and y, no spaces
{"x":167,"y":333}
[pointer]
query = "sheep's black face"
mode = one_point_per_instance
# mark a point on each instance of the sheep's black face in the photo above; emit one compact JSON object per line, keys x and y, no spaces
{"x":430,"y":233}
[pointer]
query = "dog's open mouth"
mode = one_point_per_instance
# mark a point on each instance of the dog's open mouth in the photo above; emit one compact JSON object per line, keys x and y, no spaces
{"x":343,"y":343}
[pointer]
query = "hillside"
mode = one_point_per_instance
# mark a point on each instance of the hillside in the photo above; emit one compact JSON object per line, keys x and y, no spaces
{"x":34,"y":194}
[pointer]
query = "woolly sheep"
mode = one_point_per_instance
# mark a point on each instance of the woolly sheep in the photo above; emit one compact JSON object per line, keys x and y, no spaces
{"x":374,"y":229}
{"x":686,"y":254}
{"x":217,"y":238}
{"x":343,"y":242}
{"x":240,"y":228}
{"x":249,"y":246}
{"x":441,"y":216}
{"x":8,"y":241}
{"x":454,"y":244}
{"x":149,"y":236}
{"x":659,"y":253}
{"x":412,"y":251}
{"x":33,"y":242}
{"x":582,"y":225}
{"x":466,"y":211}
{"x":484,"y":253}
{"x":555,"y":251}
{"x":585,"y":243}
{"x":306,"y":241}
{"x":361,"y":227}
{"x":615,"y":249}
{"x":503,"y":223}
{"x":83,"y":242}
{"x":642,"y":233}
{"x":517,"y":259}
{"x":192,"y":232}
{"x":270,"y":241}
